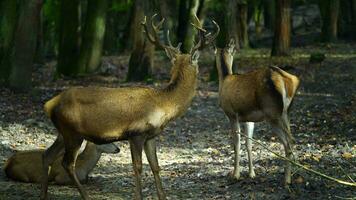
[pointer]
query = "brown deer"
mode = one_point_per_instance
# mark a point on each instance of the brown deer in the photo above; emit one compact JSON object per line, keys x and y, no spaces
{"x":26,"y":166}
{"x":136,"y":114}
{"x":261,"y":95}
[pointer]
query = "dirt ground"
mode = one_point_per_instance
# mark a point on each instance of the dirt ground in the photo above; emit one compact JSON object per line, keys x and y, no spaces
{"x":195,"y":152}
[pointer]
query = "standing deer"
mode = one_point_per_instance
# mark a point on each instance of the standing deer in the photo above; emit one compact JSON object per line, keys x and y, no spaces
{"x":26,"y":166}
{"x":261,"y":95}
{"x":136,"y":114}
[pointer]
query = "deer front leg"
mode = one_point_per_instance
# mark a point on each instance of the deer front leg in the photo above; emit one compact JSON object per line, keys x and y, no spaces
{"x":249,"y":126}
{"x":236,"y":138}
{"x":150,"y":150}
{"x":136,"y":146}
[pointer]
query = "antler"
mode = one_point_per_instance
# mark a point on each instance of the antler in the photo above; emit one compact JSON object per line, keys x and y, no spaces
{"x":154,"y":38}
{"x":204,"y":37}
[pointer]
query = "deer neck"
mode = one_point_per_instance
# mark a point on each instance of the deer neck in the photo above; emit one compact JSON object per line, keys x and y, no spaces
{"x":88,"y":158}
{"x":223,"y":65}
{"x":181,"y":89}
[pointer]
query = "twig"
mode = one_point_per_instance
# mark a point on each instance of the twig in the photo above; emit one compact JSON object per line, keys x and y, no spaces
{"x":343,"y":171}
{"x":302,"y":166}
{"x":347,"y":198}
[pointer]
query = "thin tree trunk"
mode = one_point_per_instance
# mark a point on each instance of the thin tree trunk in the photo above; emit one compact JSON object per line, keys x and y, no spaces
{"x":231,"y":13}
{"x":141,"y":60}
{"x":329,"y":10}
{"x":8,"y":22}
{"x":243,"y":22}
{"x":269,"y":13}
{"x":93,"y":36}
{"x":25,"y":41}
{"x":282,"y":33}
{"x":186,"y":32}
{"x":68,"y":51}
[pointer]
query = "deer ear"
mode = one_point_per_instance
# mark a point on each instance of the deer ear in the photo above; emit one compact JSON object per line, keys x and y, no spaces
{"x":195,"y":57}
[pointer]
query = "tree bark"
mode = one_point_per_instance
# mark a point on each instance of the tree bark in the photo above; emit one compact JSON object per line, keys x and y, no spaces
{"x":269,"y":13}
{"x":141,"y":59}
{"x":68,"y":51}
{"x":243,"y":24}
{"x":186,"y":32}
{"x":329,"y":10}
{"x":8,"y":22}
{"x":25,"y":41}
{"x":282,"y":31}
{"x":93,"y":36}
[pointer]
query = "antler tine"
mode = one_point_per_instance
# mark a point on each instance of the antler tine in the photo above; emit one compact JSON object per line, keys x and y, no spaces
{"x":210,"y":38}
{"x":170,"y":43}
{"x":153,"y":39}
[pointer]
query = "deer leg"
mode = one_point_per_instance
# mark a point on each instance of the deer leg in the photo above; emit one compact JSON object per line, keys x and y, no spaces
{"x":236,"y":137}
{"x":282,"y":135}
{"x":136,"y":146}
{"x":48,"y":157}
{"x":249,"y":126}
{"x":150,"y":150}
{"x":72,"y":146}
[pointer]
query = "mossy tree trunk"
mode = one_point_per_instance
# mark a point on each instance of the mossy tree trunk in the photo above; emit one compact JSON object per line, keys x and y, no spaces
{"x":282,"y":31}
{"x":24,"y":45}
{"x":329,"y":10}
{"x":93,"y":36}
{"x":269,"y":13}
{"x":243,"y":24}
{"x":141,"y":59}
{"x":8,"y":22}
{"x":69,"y":35}
{"x":186,"y":32}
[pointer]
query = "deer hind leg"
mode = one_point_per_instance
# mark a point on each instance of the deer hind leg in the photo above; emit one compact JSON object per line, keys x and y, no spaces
{"x":249,"y":126}
{"x":150,"y":150}
{"x":72,"y":144}
{"x":280,"y":129}
{"x":136,"y":146}
{"x":48,"y":157}
{"x":236,"y":139}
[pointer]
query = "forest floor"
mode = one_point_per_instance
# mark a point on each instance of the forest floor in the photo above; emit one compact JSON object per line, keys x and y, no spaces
{"x":194,"y":152}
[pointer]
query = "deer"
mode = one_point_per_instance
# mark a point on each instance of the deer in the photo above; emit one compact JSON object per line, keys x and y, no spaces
{"x":26,"y":166}
{"x":261,"y":95}
{"x":137,"y":114}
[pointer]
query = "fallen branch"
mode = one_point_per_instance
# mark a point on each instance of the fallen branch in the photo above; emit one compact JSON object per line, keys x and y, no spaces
{"x":302,"y":166}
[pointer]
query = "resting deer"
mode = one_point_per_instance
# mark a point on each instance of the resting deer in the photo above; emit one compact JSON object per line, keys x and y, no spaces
{"x":26,"y":166}
{"x":261,"y":95}
{"x":136,"y":114}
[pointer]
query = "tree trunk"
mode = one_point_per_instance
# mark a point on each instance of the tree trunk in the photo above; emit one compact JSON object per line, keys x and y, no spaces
{"x":231,"y":17}
{"x":243,"y":24}
{"x":282,"y":32}
{"x":68,"y":51}
{"x":186,"y":32}
{"x":141,"y":59}
{"x":329,"y":10}
{"x":8,"y":22}
{"x":25,"y":40}
{"x":93,"y":36}
{"x":269,"y":13}
{"x":257,"y":17}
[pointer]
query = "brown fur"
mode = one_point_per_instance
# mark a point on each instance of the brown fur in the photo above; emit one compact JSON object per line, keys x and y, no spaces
{"x":261,"y":95}
{"x":26,"y":166}
{"x":103,"y":115}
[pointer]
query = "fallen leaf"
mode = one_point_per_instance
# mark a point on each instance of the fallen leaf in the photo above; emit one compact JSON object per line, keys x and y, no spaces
{"x":347,"y":155}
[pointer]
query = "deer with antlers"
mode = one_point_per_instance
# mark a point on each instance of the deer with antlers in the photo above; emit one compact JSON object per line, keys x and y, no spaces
{"x":261,"y":95}
{"x":136,"y":114}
